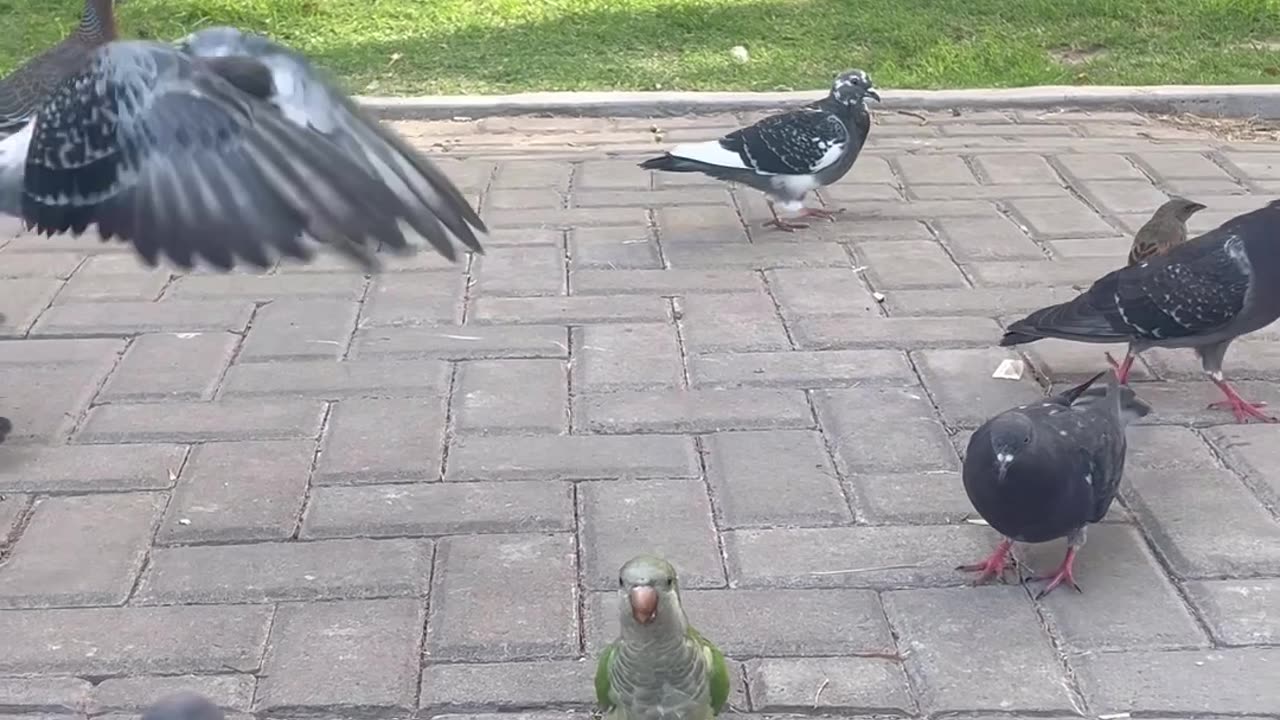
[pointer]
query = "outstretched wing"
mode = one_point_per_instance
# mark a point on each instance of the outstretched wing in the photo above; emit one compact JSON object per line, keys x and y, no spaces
{"x":799,"y":142}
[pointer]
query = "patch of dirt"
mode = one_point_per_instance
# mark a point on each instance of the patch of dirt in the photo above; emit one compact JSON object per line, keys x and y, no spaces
{"x":1230,"y":129}
{"x":1076,"y":57}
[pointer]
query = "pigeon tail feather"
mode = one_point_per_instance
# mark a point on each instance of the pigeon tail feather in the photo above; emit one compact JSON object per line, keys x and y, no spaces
{"x":1077,"y":319}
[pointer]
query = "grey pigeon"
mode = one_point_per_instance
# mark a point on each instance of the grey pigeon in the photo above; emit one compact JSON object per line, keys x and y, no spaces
{"x":1048,"y":469}
{"x":787,"y":156}
{"x":184,"y":706}
{"x":1202,"y":294}
{"x":225,"y":147}
{"x":25,"y":89}
{"x":1166,"y":230}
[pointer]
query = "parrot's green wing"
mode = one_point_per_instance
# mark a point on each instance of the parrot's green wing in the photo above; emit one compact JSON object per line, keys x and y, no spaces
{"x":602,"y":678}
{"x":719,"y":672}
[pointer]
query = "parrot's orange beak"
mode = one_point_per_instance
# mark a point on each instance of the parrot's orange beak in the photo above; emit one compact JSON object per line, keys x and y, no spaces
{"x":644,"y":604}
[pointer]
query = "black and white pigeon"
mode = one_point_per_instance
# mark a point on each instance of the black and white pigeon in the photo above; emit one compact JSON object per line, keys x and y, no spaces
{"x":787,"y":156}
{"x":1202,"y":294}
{"x":225,"y":147}
{"x":183,"y":706}
{"x":1048,"y":469}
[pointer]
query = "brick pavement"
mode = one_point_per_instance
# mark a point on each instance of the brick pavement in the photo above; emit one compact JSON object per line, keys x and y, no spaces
{"x":314,"y":494}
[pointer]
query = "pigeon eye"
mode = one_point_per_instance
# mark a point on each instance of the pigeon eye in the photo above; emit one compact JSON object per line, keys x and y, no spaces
{"x":621,"y":582}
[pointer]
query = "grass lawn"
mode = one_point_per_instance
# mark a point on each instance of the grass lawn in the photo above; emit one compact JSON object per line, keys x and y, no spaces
{"x":491,"y":46}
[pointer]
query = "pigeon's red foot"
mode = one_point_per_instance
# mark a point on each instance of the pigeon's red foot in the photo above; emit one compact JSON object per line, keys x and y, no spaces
{"x":1241,"y":408}
{"x":993,"y":566}
{"x":1063,"y":575}
{"x":1122,"y":369}
{"x":785,"y":226}
{"x":822,"y":213}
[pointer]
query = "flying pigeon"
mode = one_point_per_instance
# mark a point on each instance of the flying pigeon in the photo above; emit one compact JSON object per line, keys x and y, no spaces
{"x":224,"y":147}
{"x":23,"y":90}
{"x":1166,"y":229}
{"x":1048,"y":469}
{"x":184,"y":706}
{"x":659,"y":668}
{"x":1202,"y":294}
{"x":789,"y":155}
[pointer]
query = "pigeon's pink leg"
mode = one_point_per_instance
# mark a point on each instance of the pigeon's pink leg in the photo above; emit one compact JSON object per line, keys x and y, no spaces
{"x":821,"y":213}
{"x":994,"y":565}
{"x":779,"y":222}
{"x":1122,"y":369}
{"x":1241,"y":408}
{"x":1063,"y":574}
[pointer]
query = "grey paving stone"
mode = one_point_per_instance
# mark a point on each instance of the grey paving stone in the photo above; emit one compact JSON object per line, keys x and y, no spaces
{"x":203,"y":422}
{"x":135,"y":694}
{"x":1187,"y":681}
{"x":577,"y":310}
{"x":128,"y":318}
{"x":779,"y":477}
{"x":1168,"y":449}
{"x":170,"y":366}
{"x":1070,"y":272}
{"x":353,"y":656}
{"x":668,"y":283}
{"x":910,"y":498}
{"x":52,"y":695}
{"x":438,"y":509}
{"x":1251,"y":453}
{"x":511,"y":396}
{"x":745,"y":322}
{"x":935,"y":169}
{"x":982,"y":302}
{"x":361,"y":446}
{"x":271,"y":572}
{"x":624,"y":248}
{"x":1015,"y":169}
{"x":755,"y":256}
{"x":266,"y":288}
{"x":906,"y":333}
{"x":571,"y":457}
{"x":91,"y":468}
{"x":1239,"y":612}
{"x":685,"y":411}
{"x":1067,"y":363}
{"x":626,"y":357}
{"x":84,"y":550}
{"x":507,"y":686}
{"x":799,"y":369}
{"x":239,"y":492}
{"x":1181,"y":165}
{"x":901,"y":264}
{"x":1099,"y":166}
{"x":856,"y":684}
{"x":523,"y":271}
{"x":90,"y":288}
{"x":670,"y":518}
{"x":22,"y":301}
{"x":710,"y":223}
{"x":337,"y":380}
{"x":821,"y":291}
{"x":44,"y":403}
{"x":414,"y":299}
{"x":992,"y":238}
{"x":1053,"y":218}
{"x":133,"y":640}
{"x":292,"y":328}
{"x":960,"y":383}
{"x":989,"y":633}
{"x":482,"y":608}
{"x":12,"y":509}
{"x":884,"y":430}
{"x":452,"y":342}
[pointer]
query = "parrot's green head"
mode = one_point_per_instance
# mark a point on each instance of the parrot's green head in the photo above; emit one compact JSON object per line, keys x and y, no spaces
{"x":650,"y":592}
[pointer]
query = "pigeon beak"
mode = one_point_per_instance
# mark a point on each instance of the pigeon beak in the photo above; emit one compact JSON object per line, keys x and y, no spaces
{"x":873,"y":94}
{"x":1197,"y":207}
{"x":644,"y":604}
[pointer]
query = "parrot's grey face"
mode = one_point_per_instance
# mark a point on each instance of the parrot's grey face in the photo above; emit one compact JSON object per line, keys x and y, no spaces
{"x":649,"y":586}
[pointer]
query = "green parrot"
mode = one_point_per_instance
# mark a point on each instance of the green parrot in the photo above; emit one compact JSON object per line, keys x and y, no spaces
{"x":660,"y":668}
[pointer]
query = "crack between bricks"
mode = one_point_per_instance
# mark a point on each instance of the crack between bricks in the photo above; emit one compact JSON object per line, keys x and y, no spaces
{"x":937,"y":238}
{"x":848,"y":490}
{"x":1064,"y":177}
{"x":158,"y":525}
{"x":580,"y":583}
{"x":450,"y":421}
{"x":355,"y":326}
{"x":325,"y":419}
{"x":82,"y":415}
{"x":1226,"y":464}
{"x":777,"y":307}
{"x":676,"y":307}
{"x":700,"y":452}
{"x":237,"y":351}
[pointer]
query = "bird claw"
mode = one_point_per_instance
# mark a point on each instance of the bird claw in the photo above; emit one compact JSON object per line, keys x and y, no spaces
{"x":1243,"y":410}
{"x":823,"y":213}
{"x":1064,"y":574}
{"x":785,"y":226}
{"x":995,"y":565}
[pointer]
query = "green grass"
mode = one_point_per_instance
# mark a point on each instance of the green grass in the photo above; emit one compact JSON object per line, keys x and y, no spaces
{"x":491,"y":46}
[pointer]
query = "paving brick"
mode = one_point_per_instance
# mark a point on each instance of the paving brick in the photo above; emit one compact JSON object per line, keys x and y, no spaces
{"x":878,"y":557}
{"x":452,"y":342}
{"x":620,"y":519}
{"x":48,"y":695}
{"x":1168,"y":449}
{"x":992,"y":192}
{"x":911,"y":333}
{"x":960,"y":383}
{"x":1018,"y":667}
{"x":239,"y":492}
{"x":330,"y":380}
{"x":1186,"y":681}
{"x":1239,"y":612}
{"x":12,"y":509}
{"x":58,"y":265}
{"x":565,"y":218}
{"x":181,"y":366}
{"x":533,"y":174}
{"x":359,"y":656}
{"x":1081,"y":272}
{"x":130,"y":318}
{"x":511,"y":396}
{"x":1054,"y":218}
{"x":60,"y":351}
{"x":700,"y":224}
{"x":22,"y":301}
{"x":884,"y":430}
{"x":935,"y":169}
{"x":90,"y":468}
{"x":621,"y":248}
{"x":626,"y":357}
{"x":691,"y":411}
{"x":856,"y":684}
{"x":571,"y":457}
{"x":746,"y":470}
{"x":990,"y":238}
{"x":1256,"y":165}
{"x":909,"y":264}
{"x":910,"y":498}
{"x":135,"y":694}
{"x":294,"y":329}
{"x":821,"y":291}
{"x":1124,"y":196}
{"x":1015,"y":169}
{"x":982,"y":302}
{"x":756,"y":256}
{"x":1251,"y":453}
{"x":413,"y":299}
{"x":482,"y":609}
{"x":1063,"y":361}
{"x":83,"y":550}
{"x":1183,"y":513}
{"x":266,"y":288}
{"x":415,"y":510}
{"x":578,"y":310}
{"x":273,"y":572}
{"x":507,"y":686}
{"x":667,"y":283}
{"x":360,"y":446}
{"x":534,"y":270}
{"x":133,"y":640}
{"x":1185,"y":403}
{"x":732,"y":323}
{"x":611,"y":174}
{"x":793,"y":368}
{"x":1181,"y":165}
{"x":44,"y":402}
{"x":89,"y":287}
{"x":525,"y":197}
{"x":1114,"y":248}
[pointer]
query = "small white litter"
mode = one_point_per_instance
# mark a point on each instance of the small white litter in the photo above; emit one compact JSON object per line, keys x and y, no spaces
{"x":1009,"y":369}
{"x":740,"y":54}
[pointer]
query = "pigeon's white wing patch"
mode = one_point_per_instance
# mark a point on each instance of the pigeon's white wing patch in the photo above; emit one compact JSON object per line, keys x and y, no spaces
{"x":829,"y":157}
{"x":13,"y":160}
{"x":711,"y":153}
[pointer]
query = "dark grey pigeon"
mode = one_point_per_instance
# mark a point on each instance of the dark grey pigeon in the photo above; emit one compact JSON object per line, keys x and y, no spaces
{"x":1047,"y":469}
{"x":229,"y":148}
{"x":184,"y":706}
{"x":787,"y":156}
{"x":1202,"y":294}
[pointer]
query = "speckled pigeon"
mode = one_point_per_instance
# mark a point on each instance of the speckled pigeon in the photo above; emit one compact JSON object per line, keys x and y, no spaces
{"x":1048,"y":469}
{"x":1202,"y":294}
{"x":184,"y":706}
{"x":789,"y":155}
{"x":1166,"y":230}
{"x":229,"y":148}
{"x":660,"y":668}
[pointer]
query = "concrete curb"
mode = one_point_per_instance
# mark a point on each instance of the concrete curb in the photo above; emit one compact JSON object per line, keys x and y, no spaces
{"x":1241,"y":101}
